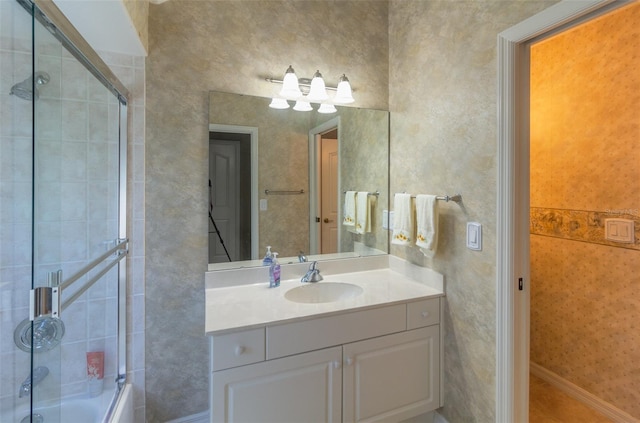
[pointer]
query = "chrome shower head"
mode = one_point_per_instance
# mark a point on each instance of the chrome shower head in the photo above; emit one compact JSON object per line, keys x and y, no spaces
{"x":25,"y":89}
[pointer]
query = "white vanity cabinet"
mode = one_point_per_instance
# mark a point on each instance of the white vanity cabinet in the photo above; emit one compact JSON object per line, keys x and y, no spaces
{"x":376,"y":364}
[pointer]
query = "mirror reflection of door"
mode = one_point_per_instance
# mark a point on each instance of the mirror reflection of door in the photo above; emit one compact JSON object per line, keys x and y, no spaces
{"x":230,"y":201}
{"x":329,"y":192}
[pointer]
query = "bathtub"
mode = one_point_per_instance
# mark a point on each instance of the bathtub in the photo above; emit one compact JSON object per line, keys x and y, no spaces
{"x":85,"y":410}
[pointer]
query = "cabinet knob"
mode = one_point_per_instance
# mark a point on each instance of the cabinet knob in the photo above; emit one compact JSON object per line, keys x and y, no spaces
{"x":239,"y":350}
{"x":348,"y":361}
{"x":336,"y":364}
{"x":425,"y":314}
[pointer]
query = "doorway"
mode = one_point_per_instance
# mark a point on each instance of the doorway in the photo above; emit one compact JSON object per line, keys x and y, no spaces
{"x":513,"y":206}
{"x":584,"y":174}
{"x":233,"y":232}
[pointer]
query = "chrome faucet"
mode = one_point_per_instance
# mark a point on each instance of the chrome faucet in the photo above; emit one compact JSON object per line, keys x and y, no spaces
{"x":313,"y":274}
{"x":301,"y":257}
{"x":39,"y":373}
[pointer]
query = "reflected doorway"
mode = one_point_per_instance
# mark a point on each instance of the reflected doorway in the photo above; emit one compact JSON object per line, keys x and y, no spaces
{"x":329,"y":192}
{"x":324,"y":175}
{"x":230,"y":192}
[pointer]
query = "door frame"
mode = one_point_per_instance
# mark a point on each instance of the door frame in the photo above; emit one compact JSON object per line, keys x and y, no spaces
{"x":314,"y":180}
{"x":512,"y":230}
{"x":252,"y":131}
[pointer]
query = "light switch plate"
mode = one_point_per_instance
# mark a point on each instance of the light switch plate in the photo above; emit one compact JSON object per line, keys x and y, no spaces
{"x":263,"y":204}
{"x":619,"y":230}
{"x":474,"y":236}
{"x":390,"y":220}
{"x":385,"y":219}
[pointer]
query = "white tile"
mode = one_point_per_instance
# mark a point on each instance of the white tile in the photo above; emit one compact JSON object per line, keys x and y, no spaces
{"x":74,"y":120}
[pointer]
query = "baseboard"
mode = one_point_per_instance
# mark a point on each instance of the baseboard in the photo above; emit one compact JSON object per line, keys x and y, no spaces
{"x":194,"y":418}
{"x":204,"y":418}
{"x":439,"y":418}
{"x":581,"y":395}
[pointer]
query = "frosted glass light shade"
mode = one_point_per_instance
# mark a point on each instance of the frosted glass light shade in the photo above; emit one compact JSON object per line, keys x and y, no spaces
{"x":278,"y":103}
{"x":343,"y":94}
{"x":302,"y":106}
{"x":317,"y":92}
{"x":290,"y":88}
{"x":327,"y":108}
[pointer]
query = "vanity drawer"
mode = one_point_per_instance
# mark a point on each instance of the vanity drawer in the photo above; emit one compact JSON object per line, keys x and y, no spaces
{"x":237,"y":349}
{"x":423,"y":313}
{"x":313,"y":334}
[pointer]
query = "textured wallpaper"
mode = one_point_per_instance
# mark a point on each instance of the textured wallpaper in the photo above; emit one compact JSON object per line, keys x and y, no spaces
{"x":196,"y":47}
{"x":442,"y":98}
{"x":585,"y":168}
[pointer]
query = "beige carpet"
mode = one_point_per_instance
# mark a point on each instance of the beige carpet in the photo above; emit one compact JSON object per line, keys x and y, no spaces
{"x":548,"y":404}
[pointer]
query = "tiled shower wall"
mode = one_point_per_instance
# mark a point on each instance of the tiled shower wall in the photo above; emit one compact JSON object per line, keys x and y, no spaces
{"x":585,"y":156}
{"x":76,"y":132}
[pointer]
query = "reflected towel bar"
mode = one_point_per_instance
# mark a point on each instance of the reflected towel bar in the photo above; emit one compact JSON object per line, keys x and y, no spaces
{"x":377,"y":193}
{"x":276,"y":192}
{"x":456,"y":198}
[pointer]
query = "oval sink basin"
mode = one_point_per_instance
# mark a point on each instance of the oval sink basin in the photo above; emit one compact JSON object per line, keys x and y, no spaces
{"x":323,"y":292}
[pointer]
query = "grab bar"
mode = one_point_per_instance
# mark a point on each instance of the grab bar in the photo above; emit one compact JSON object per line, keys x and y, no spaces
{"x":93,"y":280}
{"x":121,"y":246}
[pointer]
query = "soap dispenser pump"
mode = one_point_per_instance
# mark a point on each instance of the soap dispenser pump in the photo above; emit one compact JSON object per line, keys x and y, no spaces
{"x":268,"y":257}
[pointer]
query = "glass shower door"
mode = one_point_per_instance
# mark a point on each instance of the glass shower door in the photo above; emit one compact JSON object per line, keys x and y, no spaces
{"x":78,"y":236}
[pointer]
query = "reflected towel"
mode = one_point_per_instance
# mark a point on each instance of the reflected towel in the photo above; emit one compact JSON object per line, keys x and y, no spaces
{"x":363,"y":212}
{"x":350,"y":210}
{"x":427,"y":224}
{"x":402,"y":220}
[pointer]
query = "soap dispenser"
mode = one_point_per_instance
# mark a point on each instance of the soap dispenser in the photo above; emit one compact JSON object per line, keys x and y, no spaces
{"x":268,"y":257}
{"x":274,"y":272}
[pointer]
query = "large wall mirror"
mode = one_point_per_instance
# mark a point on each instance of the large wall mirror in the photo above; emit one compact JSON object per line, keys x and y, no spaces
{"x":278,"y":178}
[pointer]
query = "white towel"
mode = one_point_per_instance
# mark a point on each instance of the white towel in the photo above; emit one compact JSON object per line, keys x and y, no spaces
{"x":402,"y":220}
{"x":350,"y":210}
{"x":363,"y":212}
{"x":427,"y":224}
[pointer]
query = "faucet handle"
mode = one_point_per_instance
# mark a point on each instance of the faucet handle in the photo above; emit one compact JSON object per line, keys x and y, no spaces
{"x":313,"y":265}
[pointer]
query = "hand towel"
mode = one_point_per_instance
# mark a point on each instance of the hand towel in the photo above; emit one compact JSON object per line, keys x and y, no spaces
{"x":363,"y":212}
{"x":402,"y":220}
{"x":427,"y":224}
{"x":350,"y":210}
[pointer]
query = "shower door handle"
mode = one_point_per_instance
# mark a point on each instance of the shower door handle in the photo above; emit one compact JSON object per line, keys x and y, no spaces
{"x":45,"y":300}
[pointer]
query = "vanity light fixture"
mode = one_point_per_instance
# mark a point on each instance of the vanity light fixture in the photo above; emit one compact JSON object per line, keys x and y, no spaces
{"x":305,"y":91}
{"x":302,"y":106}
{"x":278,"y":103}
{"x":343,"y":94}
{"x":317,"y":91}
{"x":290,"y":87}
{"x":326,"y":108}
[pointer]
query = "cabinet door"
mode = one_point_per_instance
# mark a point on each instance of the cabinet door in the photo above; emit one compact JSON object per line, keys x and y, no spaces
{"x":393,"y":377}
{"x":301,"y":388}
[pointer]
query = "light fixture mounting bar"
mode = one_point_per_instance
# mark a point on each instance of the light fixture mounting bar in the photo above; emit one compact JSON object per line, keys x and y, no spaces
{"x":303,"y":82}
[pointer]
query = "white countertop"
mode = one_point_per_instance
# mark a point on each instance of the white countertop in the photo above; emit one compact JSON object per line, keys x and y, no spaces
{"x":257,"y":305}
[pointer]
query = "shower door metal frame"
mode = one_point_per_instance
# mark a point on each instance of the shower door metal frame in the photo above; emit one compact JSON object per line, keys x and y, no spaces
{"x":48,"y":14}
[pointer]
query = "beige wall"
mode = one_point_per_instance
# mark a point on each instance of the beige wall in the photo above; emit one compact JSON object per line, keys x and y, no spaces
{"x":195,"y":47}
{"x":585,"y":168}
{"x":139,"y":12}
{"x":442,"y":98}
